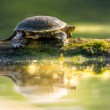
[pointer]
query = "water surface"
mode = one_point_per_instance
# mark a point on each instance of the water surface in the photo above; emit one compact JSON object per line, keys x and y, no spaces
{"x":53,"y":85}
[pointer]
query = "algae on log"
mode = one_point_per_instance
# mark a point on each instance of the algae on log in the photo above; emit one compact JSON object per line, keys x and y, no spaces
{"x":52,"y":47}
{"x":88,"y":47}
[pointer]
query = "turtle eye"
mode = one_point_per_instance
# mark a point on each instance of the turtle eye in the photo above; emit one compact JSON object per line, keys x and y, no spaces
{"x":72,"y":28}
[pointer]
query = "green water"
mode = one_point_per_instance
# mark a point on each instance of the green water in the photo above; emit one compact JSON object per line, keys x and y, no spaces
{"x":91,"y":93}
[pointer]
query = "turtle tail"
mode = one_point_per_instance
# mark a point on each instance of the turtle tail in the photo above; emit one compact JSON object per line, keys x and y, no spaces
{"x":9,"y":38}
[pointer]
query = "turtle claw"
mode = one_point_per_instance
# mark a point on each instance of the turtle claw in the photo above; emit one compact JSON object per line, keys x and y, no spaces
{"x":16,"y":41}
{"x":16,"y":45}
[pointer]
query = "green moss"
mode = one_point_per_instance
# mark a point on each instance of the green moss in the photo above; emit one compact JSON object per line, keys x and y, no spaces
{"x":97,"y":47}
{"x":88,"y":47}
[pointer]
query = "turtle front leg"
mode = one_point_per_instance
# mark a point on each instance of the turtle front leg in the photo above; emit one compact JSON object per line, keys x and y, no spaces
{"x":16,"y":41}
{"x":62,"y":35}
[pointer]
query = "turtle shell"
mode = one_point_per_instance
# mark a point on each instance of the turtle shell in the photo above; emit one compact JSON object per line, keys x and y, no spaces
{"x":40,"y":24}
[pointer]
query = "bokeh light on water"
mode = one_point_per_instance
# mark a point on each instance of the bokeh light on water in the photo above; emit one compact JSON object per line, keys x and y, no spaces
{"x":56,"y":82}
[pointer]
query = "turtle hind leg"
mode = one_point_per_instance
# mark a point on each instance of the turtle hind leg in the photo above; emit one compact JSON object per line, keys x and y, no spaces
{"x":16,"y":40}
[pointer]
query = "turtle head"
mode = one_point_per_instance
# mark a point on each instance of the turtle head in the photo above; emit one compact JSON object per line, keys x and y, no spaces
{"x":70,"y":28}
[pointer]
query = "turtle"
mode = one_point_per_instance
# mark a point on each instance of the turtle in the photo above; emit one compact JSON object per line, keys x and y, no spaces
{"x":38,"y":27}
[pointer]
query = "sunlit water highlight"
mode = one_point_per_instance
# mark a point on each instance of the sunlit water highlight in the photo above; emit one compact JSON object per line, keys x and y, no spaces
{"x":93,"y":28}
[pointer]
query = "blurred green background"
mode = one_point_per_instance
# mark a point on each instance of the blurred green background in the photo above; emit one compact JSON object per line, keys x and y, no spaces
{"x":91,"y":17}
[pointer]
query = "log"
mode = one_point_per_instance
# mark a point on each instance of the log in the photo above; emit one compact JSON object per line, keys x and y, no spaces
{"x":52,"y":48}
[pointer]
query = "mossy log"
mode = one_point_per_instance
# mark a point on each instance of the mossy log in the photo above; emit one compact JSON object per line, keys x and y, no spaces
{"x":52,"y":47}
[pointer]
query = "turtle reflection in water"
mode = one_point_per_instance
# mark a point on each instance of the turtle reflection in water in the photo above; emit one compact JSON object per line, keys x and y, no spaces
{"x":40,"y":27}
{"x":39,"y":83}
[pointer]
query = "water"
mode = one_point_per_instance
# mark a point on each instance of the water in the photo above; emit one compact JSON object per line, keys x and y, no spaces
{"x":54,"y":85}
